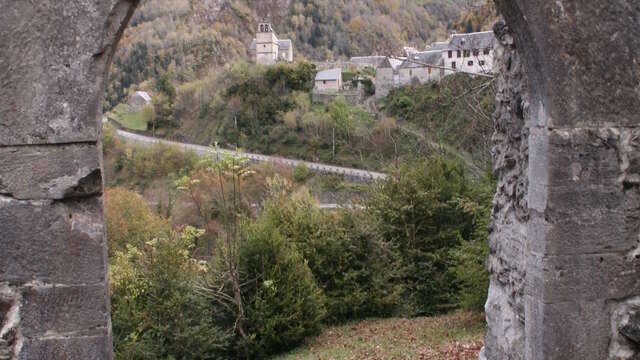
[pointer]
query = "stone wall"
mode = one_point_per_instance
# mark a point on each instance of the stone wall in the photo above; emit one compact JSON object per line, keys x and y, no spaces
{"x":508,"y":228}
{"x":565,"y":268}
{"x":54,"y":297}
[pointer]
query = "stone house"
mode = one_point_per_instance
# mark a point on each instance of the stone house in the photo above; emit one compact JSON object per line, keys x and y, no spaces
{"x":328,"y":81}
{"x":422,"y":67}
{"x":384,"y":80}
{"x":471,"y":53}
{"x":138,"y":100}
{"x":267,"y":49}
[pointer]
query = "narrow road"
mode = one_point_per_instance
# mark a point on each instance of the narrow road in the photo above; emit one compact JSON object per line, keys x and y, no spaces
{"x":358,"y":174}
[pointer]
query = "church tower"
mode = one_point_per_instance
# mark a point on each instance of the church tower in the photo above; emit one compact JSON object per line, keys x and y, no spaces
{"x":266,"y":45}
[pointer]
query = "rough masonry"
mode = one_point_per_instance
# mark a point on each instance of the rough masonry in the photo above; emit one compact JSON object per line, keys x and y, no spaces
{"x":565,"y":233}
{"x":54,"y":295}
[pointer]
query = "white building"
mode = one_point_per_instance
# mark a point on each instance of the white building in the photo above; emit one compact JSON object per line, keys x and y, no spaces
{"x":421,"y":67}
{"x":138,"y":100}
{"x":471,"y":53}
{"x":328,"y":81}
{"x":267,"y":49}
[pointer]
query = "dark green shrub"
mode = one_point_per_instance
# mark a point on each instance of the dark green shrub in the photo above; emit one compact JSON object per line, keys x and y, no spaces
{"x":301,"y":173}
{"x":347,"y":257}
{"x":283,"y":303}
{"x":419,"y":211}
{"x":156,"y":312}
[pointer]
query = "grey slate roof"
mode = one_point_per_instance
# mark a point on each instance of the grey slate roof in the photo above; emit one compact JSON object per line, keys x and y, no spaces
{"x":421,"y":59}
{"x":331,"y":75}
{"x":144,"y":95}
{"x":373,"y":60}
{"x":439,"y":46}
{"x":480,"y":40}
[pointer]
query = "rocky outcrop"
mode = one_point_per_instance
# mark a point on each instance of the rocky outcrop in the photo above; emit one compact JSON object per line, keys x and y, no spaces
{"x":54,"y":296}
{"x":565,"y":255}
{"x":508,"y":228}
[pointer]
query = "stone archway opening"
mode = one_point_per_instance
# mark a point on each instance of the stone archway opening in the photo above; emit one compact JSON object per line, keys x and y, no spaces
{"x":566,"y":226}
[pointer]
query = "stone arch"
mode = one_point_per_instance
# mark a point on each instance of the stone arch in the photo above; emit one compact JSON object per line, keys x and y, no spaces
{"x":565,"y":231}
{"x":54,"y":294}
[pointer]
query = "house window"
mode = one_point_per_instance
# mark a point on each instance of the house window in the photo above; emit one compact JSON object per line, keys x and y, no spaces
{"x":324,"y":82}
{"x":467,"y":53}
{"x":476,"y":52}
{"x":459,"y":53}
{"x":486,"y":51}
{"x":450,"y":54}
{"x":470,"y":63}
{"x":264,"y":46}
{"x":482,"y":62}
{"x":429,"y":69}
{"x":453,"y":65}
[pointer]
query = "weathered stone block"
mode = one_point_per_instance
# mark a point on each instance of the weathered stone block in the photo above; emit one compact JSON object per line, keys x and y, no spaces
{"x":50,"y":172}
{"x":572,"y":330}
{"x":85,"y":348}
{"x":53,"y":59}
{"x":566,"y":278}
{"x":60,"y":310}
{"x":52,"y":242}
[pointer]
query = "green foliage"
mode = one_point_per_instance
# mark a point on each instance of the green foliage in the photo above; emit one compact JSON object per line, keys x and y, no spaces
{"x":131,"y":120}
{"x":129,"y":220}
{"x":420,"y":212}
{"x":156,"y":311}
{"x":164,"y":85}
{"x":301,"y":173}
{"x":469,"y":259}
{"x":284,"y":305}
{"x":457,"y":111}
{"x":369,"y":87}
{"x":349,"y":261}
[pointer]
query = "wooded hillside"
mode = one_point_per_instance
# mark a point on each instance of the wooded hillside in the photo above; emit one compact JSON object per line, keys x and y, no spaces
{"x":186,"y":39}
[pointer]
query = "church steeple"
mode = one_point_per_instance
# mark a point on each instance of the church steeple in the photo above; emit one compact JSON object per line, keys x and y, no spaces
{"x":265,"y":28}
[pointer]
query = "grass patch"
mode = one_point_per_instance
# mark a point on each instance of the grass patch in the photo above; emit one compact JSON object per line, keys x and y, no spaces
{"x":130,"y":120}
{"x":454,"y":336}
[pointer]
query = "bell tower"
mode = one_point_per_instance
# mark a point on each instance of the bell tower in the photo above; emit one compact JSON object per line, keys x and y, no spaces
{"x":266,"y":44}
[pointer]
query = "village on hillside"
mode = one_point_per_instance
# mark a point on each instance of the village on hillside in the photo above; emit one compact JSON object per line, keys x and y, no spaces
{"x":470,"y":53}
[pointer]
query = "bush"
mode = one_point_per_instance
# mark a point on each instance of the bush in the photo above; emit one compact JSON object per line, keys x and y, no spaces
{"x":369,"y":87}
{"x":130,"y":221}
{"x":301,"y":173}
{"x":419,"y":209}
{"x":469,"y":259}
{"x":346,"y":256}
{"x":156,"y":312}
{"x":283,"y":304}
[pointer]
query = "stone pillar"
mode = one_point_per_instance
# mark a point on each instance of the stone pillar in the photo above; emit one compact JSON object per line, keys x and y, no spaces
{"x":54,"y":295}
{"x":577,"y":243}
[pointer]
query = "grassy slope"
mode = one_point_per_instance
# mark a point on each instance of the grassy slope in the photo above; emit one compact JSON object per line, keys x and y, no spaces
{"x":130,"y":120}
{"x":454,"y":336}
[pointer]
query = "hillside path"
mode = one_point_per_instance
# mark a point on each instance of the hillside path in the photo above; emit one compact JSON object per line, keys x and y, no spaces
{"x":359,"y":174}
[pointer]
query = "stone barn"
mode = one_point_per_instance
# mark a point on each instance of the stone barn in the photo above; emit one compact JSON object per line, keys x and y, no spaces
{"x":422,"y":67}
{"x":329,"y":81}
{"x":138,"y":100}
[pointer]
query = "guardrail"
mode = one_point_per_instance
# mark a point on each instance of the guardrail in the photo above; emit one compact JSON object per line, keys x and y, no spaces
{"x":349,"y":173}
